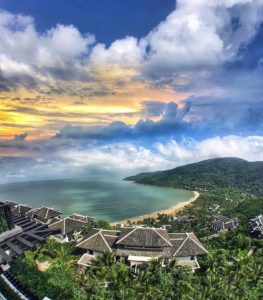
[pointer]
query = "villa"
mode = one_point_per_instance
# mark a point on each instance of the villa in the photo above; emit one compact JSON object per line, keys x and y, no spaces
{"x":79,"y":217}
{"x":21,"y":209}
{"x":256,"y":227}
{"x":11,"y":203}
{"x":44,"y":215}
{"x":137,"y":245}
{"x":223,"y":224}
{"x":22,"y":234}
{"x":70,"y":227}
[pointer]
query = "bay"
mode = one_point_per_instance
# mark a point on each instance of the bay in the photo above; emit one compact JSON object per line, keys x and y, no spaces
{"x":104,"y":198}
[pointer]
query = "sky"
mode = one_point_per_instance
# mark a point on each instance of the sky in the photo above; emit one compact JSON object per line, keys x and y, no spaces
{"x":113,"y":88}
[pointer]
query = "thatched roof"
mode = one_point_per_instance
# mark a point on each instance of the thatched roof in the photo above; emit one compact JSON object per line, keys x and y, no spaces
{"x":11,"y":203}
{"x":99,"y":240}
{"x":139,"y":241}
{"x":67,"y":225}
{"x":79,"y":217}
{"x":144,"y":237}
{"x":46,"y":213}
{"x":223,"y":222}
{"x":186,"y":244}
{"x":21,"y":209}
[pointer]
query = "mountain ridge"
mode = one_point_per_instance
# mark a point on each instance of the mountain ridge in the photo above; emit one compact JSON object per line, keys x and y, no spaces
{"x":226,"y":172}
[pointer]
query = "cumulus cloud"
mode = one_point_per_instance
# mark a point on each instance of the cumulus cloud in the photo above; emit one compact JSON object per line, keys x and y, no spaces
{"x":172,"y":121}
{"x":27,"y":57}
{"x":197,"y":37}
{"x":123,"y":159}
{"x":153,"y":108}
{"x":22,"y":43}
{"x":125,"y":51}
{"x":200,"y":35}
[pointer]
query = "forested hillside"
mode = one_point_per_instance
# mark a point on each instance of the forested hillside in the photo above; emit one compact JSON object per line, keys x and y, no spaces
{"x":232,"y":173}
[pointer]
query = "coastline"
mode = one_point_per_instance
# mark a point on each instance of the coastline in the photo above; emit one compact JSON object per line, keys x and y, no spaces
{"x":168,"y":211}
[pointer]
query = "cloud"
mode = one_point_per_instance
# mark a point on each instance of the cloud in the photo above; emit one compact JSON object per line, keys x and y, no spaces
{"x":197,"y":49}
{"x":198,"y":37}
{"x":20,"y":137}
{"x":201,"y":35}
{"x":171,"y":122}
{"x":123,"y":159}
{"x":153,"y":108}
{"x":199,"y":117}
{"x":22,"y":43}
{"x":28,"y":58}
{"x":125,"y":51}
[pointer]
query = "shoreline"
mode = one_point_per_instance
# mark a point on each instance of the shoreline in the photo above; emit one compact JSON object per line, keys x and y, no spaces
{"x":168,"y":211}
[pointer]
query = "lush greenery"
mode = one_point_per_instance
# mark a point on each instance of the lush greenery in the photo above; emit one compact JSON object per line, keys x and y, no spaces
{"x":225,"y":274}
{"x":229,"y":271}
{"x":232,"y":270}
{"x":59,"y":280}
{"x":224,"y":173}
{"x":3,"y":225}
{"x":96,"y":224}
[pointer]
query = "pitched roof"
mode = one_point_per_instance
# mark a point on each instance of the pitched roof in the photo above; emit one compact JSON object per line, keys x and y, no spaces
{"x":55,"y":220}
{"x":30,"y":213}
{"x":222,"y":219}
{"x":144,"y":237}
{"x":99,"y":240}
{"x":11,"y":203}
{"x":138,"y":241}
{"x":45,"y":213}
{"x":186,"y":244}
{"x":82,"y":218}
{"x":21,"y":209}
{"x":67,"y":225}
{"x":225,"y":222}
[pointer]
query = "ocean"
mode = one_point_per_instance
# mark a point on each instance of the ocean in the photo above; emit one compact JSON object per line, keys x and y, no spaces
{"x":104,"y":198}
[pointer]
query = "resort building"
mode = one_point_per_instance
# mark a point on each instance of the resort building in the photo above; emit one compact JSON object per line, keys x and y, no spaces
{"x":11,"y":203}
{"x":22,"y":234}
{"x":213,"y":208}
{"x":223,"y":224}
{"x":44,"y":215}
{"x":186,"y":219}
{"x":256,"y":227}
{"x":87,"y":219}
{"x":21,"y":209}
{"x":70,"y":227}
{"x":137,"y":245}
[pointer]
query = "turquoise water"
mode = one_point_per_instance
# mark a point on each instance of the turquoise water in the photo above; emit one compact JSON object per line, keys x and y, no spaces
{"x":108,"y":199}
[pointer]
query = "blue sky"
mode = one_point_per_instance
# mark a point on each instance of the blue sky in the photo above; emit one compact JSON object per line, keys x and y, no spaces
{"x":127,"y":86}
{"x":108,"y":20}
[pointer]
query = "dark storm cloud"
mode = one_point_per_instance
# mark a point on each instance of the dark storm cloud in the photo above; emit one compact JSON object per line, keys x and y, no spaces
{"x":171,"y":122}
{"x":13,"y":81}
{"x":20,"y":137}
{"x":153,"y":108}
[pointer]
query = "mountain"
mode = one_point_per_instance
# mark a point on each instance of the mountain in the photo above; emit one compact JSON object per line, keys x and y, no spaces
{"x":230,"y":172}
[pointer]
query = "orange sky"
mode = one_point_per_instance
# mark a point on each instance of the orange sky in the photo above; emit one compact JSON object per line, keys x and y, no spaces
{"x":114,"y":95}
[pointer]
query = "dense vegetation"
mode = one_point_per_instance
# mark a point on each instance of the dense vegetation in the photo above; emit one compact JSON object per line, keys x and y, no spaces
{"x":232,"y":270}
{"x":3,"y":225}
{"x":223,"y":173}
{"x":227,"y":272}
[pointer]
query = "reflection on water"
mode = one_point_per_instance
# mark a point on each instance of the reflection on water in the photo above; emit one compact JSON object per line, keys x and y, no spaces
{"x":109,"y":199}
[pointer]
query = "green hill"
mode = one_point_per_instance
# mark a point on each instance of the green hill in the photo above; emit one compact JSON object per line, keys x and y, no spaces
{"x":225,"y":173}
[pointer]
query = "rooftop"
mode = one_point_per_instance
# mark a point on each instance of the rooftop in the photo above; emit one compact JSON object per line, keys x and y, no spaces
{"x":137,"y":241}
{"x":67,"y":225}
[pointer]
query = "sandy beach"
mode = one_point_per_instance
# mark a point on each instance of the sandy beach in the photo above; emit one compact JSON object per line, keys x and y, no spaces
{"x":168,"y":211}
